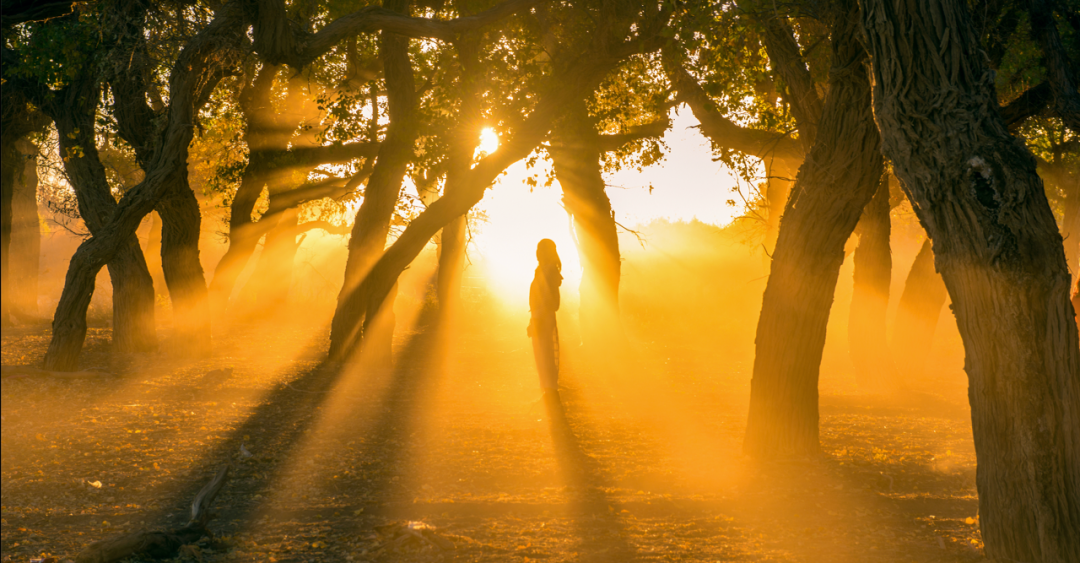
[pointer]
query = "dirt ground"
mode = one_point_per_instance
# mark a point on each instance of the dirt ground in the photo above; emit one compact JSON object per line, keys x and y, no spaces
{"x":641,"y":461}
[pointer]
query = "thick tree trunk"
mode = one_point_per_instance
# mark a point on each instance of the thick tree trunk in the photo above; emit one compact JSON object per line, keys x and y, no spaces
{"x":835,"y":183}
{"x":380,"y":198}
{"x":867,"y":342}
{"x":976,"y":191}
{"x":133,"y":288}
{"x":576,"y":159}
{"x":181,"y":224}
{"x":25,"y":258}
{"x":917,"y":317}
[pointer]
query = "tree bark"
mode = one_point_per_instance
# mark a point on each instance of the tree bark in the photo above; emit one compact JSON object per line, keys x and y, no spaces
{"x":835,"y":183}
{"x":178,"y":209}
{"x":25,"y":235}
{"x":372,"y":224}
{"x":917,"y":317}
{"x":575,"y":157}
{"x":192,"y":76}
{"x":976,"y":191}
{"x":133,"y":288}
{"x":867,"y":341}
{"x":181,"y":224}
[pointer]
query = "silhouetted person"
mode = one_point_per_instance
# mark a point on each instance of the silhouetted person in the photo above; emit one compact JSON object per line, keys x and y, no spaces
{"x":543,"y":303}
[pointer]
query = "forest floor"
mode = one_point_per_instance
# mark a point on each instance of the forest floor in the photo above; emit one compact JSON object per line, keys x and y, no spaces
{"x":640,"y":462}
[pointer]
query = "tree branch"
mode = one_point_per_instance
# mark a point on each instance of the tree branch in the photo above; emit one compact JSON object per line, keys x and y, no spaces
{"x":721,"y":131}
{"x":635,"y":133}
{"x":1028,"y":104}
{"x":282,"y":44}
{"x":788,"y":62}
{"x":1063,"y":81}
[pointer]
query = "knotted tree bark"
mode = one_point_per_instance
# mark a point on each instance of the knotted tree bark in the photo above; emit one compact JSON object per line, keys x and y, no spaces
{"x":975,"y":189}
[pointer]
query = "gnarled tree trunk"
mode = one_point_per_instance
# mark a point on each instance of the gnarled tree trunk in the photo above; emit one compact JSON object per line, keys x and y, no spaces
{"x":575,"y":157}
{"x":976,"y":191}
{"x":867,"y":342}
{"x":917,"y":317}
{"x":191,"y":77}
{"x":133,"y":289}
{"x":835,"y":183}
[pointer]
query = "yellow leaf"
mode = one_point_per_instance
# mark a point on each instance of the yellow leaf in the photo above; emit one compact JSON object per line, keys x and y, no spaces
{"x":969,"y":520}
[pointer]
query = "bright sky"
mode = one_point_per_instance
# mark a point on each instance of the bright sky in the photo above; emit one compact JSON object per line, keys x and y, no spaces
{"x":687,"y":184}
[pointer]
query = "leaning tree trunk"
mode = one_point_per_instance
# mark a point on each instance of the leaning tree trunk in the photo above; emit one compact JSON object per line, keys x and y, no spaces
{"x":835,"y":183}
{"x":976,"y":191}
{"x":917,"y":316}
{"x":867,"y":343}
{"x":181,"y":224}
{"x":133,"y":289}
{"x":576,"y":160}
{"x":372,"y":224}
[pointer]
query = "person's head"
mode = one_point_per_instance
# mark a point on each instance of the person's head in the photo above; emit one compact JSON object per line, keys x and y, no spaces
{"x":547,"y":255}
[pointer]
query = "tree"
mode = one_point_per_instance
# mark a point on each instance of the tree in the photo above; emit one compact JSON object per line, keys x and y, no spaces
{"x":196,"y":70}
{"x":976,"y":191}
{"x":372,"y":223}
{"x":569,"y":80}
{"x":917,"y":315}
{"x":867,"y":340}
{"x":835,"y":183}
{"x":181,"y":220}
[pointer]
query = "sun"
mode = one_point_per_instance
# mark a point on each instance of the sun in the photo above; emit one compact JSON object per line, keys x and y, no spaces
{"x":489,"y":141}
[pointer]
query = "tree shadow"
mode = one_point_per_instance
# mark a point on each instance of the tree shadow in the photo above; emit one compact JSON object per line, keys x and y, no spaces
{"x":596,"y":517}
